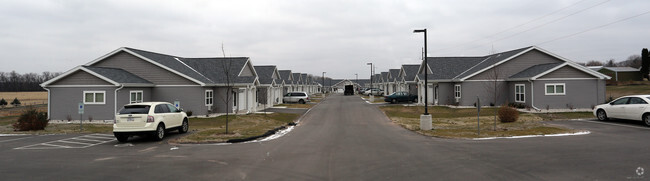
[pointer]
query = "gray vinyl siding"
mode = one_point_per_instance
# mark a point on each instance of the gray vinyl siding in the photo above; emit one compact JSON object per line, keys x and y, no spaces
{"x":220,"y":99}
{"x":578,"y":93}
{"x":567,"y":72}
{"x":81,"y":78}
{"x":511,"y":92}
{"x":124,"y":95}
{"x":64,"y":102}
{"x":144,"y":69}
{"x":516,"y":65}
{"x":191,"y":98}
{"x":484,"y":90}
{"x":446,"y":93}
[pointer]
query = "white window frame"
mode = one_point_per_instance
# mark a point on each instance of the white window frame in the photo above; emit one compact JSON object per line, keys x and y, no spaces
{"x":209,"y":97}
{"x":457,"y":91}
{"x":522,"y":92}
{"x":555,"y":85}
{"x":131,"y":101}
{"x":94,"y":95}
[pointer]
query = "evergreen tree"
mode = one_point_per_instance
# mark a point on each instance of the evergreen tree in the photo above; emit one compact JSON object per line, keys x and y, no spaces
{"x":3,"y":102}
{"x":16,"y":102}
{"x":645,"y":63}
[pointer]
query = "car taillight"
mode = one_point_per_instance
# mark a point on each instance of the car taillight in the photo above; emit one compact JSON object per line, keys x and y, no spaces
{"x":150,"y":119}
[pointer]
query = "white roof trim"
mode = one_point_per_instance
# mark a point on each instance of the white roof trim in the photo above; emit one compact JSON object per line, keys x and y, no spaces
{"x":47,"y":83}
{"x":146,"y":59}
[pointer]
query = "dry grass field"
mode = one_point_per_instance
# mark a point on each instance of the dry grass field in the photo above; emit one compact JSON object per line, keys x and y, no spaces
{"x":25,"y":98}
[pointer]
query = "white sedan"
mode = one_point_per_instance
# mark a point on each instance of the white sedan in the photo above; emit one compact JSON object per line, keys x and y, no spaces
{"x":633,"y":107}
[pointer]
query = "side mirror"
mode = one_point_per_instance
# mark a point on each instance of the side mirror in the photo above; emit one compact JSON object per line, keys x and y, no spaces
{"x":180,"y":110}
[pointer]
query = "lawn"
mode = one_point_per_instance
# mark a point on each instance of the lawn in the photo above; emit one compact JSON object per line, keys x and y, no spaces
{"x":213,"y":130}
{"x":615,"y":91}
{"x":462,"y":122}
{"x":7,"y":128}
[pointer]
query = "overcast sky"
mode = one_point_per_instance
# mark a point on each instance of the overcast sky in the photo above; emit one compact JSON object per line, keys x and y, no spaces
{"x":337,"y":37}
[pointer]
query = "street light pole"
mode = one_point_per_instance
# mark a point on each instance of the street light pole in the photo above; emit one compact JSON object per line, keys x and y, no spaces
{"x":322,"y":89}
{"x":372,"y":97}
{"x":425,"y":119}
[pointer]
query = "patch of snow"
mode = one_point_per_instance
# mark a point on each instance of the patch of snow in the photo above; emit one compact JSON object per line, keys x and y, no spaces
{"x":174,"y":148}
{"x":279,"y":107}
{"x":532,"y":136}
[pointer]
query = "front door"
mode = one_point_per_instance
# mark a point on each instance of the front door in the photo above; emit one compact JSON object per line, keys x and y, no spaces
{"x":435,"y":94}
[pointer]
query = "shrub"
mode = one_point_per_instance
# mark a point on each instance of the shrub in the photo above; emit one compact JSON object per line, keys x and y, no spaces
{"x":189,"y":113}
{"x":16,"y":102}
{"x":517,"y":105}
{"x":31,"y":119}
{"x":508,"y":114}
{"x":3,"y":102}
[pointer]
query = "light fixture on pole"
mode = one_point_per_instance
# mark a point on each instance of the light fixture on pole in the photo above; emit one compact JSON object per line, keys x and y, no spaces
{"x":323,"y":86}
{"x":425,"y":119}
{"x":372,"y":97}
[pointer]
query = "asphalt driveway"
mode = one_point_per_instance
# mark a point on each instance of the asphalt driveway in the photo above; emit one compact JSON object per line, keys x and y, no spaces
{"x":343,"y":138}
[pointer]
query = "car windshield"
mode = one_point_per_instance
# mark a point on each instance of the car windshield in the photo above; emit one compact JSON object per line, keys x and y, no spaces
{"x":135,"y":109}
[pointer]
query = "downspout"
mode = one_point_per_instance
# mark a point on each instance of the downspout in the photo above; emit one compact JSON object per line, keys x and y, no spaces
{"x":48,"y":103}
{"x":532,"y":95}
{"x":115,"y":111}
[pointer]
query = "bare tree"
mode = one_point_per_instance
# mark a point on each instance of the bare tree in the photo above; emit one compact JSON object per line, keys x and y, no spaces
{"x":594,"y":63}
{"x":492,"y":87}
{"x":610,"y":63}
{"x":226,"y":65}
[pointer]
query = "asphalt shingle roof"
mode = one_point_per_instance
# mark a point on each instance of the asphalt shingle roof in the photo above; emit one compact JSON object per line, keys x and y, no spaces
{"x":411,"y":71}
{"x":446,"y":68}
{"x":216,"y":69}
{"x":172,"y":62}
{"x":394,"y":73}
{"x":118,"y":75}
{"x":285,"y":75}
{"x":490,"y":60}
{"x":297,"y":79}
{"x":622,"y":69}
{"x":534,"y":70}
{"x":265,"y":73}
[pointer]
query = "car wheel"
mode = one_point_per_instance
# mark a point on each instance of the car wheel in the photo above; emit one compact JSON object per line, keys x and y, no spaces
{"x":394,"y":101}
{"x":602,"y":116}
{"x":301,"y":101}
{"x":646,"y":119}
{"x":160,"y":132}
{"x":184,"y":127}
{"x":121,"y":137}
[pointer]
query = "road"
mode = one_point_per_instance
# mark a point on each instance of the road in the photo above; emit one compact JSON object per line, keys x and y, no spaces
{"x":342,"y":138}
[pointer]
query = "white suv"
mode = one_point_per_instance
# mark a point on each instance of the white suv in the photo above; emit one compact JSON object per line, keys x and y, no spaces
{"x":153,"y":118}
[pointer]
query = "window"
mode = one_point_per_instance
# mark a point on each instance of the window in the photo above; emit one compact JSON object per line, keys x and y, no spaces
{"x":136,"y":96}
{"x":161,"y":108}
{"x":209,"y":97}
{"x":457,"y":91}
{"x":94,"y":97}
{"x":172,"y":108}
{"x":636,"y":100}
{"x":520,"y":93}
{"x":555,"y":89}
{"x":620,"y":101}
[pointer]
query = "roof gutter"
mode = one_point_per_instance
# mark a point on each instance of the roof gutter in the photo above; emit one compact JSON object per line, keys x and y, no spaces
{"x":115,"y":110}
{"x":532,"y":95}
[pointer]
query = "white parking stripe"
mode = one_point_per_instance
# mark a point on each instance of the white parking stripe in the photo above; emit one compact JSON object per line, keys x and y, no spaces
{"x":613,"y":124}
{"x":82,"y":141}
{"x":14,"y":139}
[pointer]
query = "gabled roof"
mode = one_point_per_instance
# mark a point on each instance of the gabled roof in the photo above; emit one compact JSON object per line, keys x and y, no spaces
{"x":535,"y":70}
{"x":286,"y":76}
{"x":622,"y":69}
{"x":113,"y":76}
{"x":384,"y":76}
{"x":304,"y":79}
{"x":220,"y":70}
{"x":394,"y":74}
{"x":297,"y":78}
{"x":203,"y":71}
{"x":463,"y":68}
{"x":266,"y":73}
{"x":410,"y":71}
